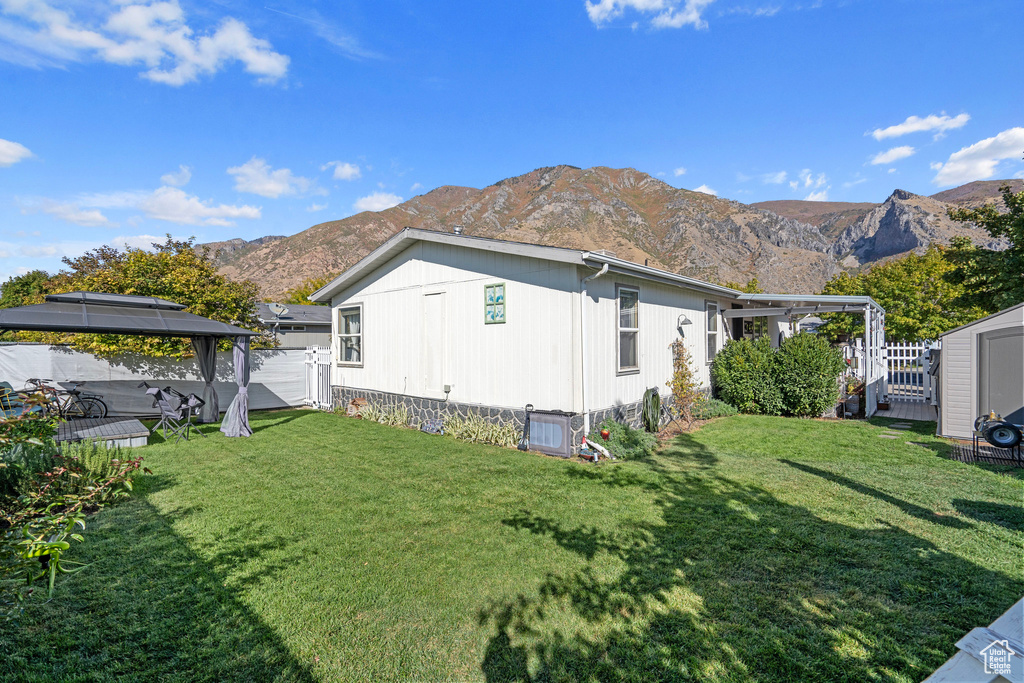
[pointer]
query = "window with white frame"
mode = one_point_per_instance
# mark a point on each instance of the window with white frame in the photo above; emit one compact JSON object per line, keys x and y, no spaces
{"x":350,"y":335}
{"x":629,"y":328}
{"x":712,"y":311}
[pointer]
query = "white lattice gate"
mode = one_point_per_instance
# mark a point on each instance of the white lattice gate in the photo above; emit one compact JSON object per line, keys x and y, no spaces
{"x":318,"y":377}
{"x":907,"y":374}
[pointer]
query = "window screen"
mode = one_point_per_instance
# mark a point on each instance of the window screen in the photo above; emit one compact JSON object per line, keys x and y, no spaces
{"x":629,"y":328}
{"x":350,"y":335}
{"x":712,"y":311}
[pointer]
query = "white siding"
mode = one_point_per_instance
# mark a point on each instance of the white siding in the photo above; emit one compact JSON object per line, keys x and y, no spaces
{"x":959,"y":404}
{"x":660,"y":308}
{"x":528,"y":359}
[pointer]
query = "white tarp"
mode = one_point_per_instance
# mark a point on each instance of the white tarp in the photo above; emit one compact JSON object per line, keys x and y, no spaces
{"x":277,"y":379}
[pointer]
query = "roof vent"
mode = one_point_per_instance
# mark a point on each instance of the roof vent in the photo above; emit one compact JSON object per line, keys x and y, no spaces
{"x":604,"y":252}
{"x":457,"y":229}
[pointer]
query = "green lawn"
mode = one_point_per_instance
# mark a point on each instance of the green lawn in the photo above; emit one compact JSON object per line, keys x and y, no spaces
{"x":325,"y":548}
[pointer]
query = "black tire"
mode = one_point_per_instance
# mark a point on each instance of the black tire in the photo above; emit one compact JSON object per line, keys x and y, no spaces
{"x":979,"y":422}
{"x":86,"y":408}
{"x":1002,"y":434}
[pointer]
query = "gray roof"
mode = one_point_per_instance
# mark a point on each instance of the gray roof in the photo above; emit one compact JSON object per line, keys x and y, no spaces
{"x":589,"y":259}
{"x":114,"y":314}
{"x":987,"y":317}
{"x":298,"y":314}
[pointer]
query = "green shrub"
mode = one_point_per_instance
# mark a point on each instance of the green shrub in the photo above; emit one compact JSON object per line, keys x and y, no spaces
{"x":808,"y":370}
{"x":27,"y":449}
{"x":711,"y":408}
{"x":744,"y":375}
{"x":625,"y":442}
{"x":55,"y":490}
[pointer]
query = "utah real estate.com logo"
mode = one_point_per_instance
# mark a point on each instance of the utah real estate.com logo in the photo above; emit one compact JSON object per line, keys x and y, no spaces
{"x":997,"y":658}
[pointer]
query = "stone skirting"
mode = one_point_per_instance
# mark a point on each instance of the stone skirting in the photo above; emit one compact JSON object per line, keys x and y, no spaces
{"x":422,"y":409}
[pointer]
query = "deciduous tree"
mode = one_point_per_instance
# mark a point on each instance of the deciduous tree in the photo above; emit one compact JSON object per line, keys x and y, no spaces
{"x":990,"y":280}
{"x":919,"y":301}
{"x":173,"y":270}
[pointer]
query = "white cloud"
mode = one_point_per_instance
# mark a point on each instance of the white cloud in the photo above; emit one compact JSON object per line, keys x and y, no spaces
{"x":415,"y":187}
{"x":179,"y":179}
{"x":821,"y":196}
{"x":667,"y":13}
{"x":706,"y":190}
{"x":313,"y":208}
{"x":378,"y":201}
{"x":774,"y":178}
{"x":72,"y":213}
{"x":917,"y":124}
{"x":891,"y":155}
{"x":257,"y":177}
{"x":807,"y":179}
{"x":165,"y":203}
{"x":343,"y":170}
{"x":852,"y":183}
{"x":175,"y":206}
{"x":1019,"y":174}
{"x":12,"y":152}
{"x":679,"y":171}
{"x":979,"y":161}
{"x":154,"y":35}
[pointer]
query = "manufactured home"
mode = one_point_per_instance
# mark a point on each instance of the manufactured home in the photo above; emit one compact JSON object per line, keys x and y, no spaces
{"x":981,"y":369}
{"x":447,"y":322}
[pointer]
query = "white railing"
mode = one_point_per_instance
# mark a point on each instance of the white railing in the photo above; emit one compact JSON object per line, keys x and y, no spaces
{"x":318,"y":378}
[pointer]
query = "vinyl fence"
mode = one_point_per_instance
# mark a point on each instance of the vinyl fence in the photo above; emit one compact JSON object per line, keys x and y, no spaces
{"x":276,"y":378}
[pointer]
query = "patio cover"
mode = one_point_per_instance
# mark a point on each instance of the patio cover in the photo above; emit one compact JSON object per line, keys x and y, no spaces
{"x":143,"y":316}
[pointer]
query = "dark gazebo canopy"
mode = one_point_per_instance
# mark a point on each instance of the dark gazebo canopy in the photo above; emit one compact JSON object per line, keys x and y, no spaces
{"x":146,"y":316}
{"x":95,"y":313}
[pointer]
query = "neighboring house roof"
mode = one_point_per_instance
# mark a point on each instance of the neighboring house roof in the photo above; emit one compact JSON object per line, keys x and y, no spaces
{"x":975,"y":322}
{"x":298,"y":314}
{"x":588,"y":259}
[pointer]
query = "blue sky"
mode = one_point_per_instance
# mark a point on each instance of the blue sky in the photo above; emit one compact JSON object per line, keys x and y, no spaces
{"x":124,"y":120}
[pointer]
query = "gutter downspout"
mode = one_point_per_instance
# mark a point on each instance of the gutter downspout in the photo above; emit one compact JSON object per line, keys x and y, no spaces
{"x":583,"y":342}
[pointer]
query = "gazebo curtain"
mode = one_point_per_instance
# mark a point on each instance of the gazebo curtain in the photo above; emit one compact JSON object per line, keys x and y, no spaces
{"x":236,"y":418}
{"x":206,"y":356}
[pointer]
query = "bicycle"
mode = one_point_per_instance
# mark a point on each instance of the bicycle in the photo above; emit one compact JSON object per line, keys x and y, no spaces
{"x":68,"y":404}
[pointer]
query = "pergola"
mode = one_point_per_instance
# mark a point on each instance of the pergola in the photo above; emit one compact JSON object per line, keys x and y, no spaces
{"x":146,"y":316}
{"x":792,"y":306}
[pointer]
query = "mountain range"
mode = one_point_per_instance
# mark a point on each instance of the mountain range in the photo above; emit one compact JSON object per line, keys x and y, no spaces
{"x":791,"y":246}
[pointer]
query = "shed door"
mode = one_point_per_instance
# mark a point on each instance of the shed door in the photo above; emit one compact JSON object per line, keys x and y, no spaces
{"x":435,"y":344}
{"x":1001,"y":373}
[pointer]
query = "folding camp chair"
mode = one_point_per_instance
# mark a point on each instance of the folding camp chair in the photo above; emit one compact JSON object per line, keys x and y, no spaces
{"x":189,"y":407}
{"x":168,"y":413}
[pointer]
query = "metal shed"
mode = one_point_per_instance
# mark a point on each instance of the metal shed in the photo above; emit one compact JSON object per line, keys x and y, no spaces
{"x":981,"y":370}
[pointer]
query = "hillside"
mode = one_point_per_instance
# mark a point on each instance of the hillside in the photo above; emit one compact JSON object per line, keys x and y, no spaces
{"x":978,"y":193}
{"x":794,"y":247}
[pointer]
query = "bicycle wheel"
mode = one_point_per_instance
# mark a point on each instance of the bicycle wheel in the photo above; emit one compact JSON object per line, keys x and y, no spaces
{"x":94,"y":407}
{"x":85,"y":407}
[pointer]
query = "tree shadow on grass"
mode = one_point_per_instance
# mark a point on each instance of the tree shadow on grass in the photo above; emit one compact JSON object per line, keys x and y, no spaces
{"x":734,"y":584}
{"x":1009,"y":516}
{"x":146,"y":608}
{"x":907,"y":507}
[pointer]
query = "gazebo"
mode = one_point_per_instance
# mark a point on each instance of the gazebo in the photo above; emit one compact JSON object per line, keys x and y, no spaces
{"x":147,"y":316}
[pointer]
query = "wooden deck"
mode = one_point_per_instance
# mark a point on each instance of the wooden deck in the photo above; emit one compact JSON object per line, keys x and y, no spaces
{"x":909,"y":410}
{"x":115,"y":431}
